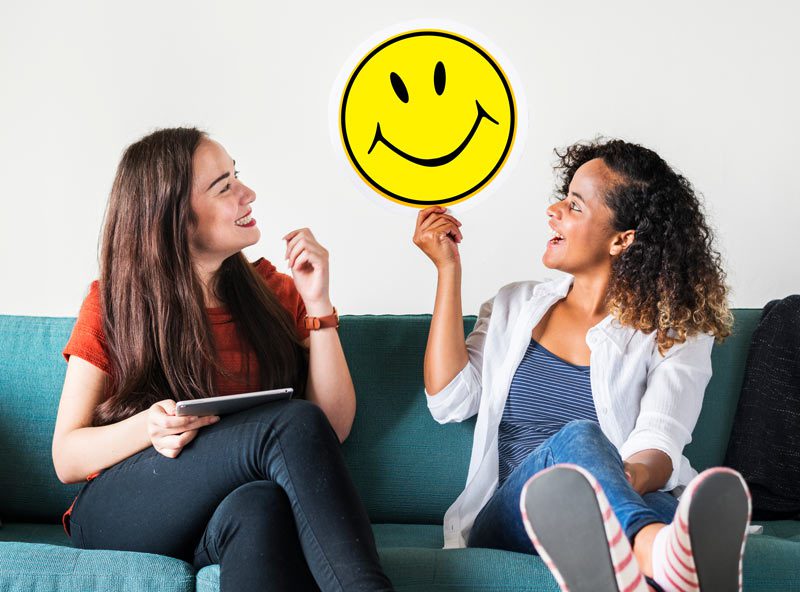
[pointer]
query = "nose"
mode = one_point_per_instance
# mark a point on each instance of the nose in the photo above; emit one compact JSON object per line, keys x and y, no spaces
{"x":554,"y":210}
{"x":247,"y":194}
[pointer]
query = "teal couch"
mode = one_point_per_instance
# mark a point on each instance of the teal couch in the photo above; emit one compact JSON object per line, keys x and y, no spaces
{"x":407,"y":467}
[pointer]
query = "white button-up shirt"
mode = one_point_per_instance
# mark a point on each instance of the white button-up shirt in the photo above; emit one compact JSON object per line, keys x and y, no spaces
{"x":644,"y":400}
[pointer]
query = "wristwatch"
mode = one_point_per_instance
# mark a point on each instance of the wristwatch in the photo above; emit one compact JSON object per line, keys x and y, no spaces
{"x":315,"y":323}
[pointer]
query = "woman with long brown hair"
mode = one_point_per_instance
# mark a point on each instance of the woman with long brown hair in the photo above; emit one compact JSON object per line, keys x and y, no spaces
{"x":593,"y":382}
{"x":178,"y":313}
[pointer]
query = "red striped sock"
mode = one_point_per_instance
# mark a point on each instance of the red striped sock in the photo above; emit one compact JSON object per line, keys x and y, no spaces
{"x":673,"y":563}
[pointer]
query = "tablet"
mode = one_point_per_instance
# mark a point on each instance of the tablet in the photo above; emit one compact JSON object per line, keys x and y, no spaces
{"x":230,"y":403}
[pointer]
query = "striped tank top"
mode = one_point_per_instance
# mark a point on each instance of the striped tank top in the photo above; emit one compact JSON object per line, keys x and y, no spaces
{"x":546,"y":393}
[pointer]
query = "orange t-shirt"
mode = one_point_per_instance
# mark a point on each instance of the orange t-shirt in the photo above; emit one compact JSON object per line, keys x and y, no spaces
{"x":235,"y":355}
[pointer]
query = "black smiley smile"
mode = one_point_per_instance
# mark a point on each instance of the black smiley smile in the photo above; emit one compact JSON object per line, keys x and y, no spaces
{"x":440,"y":160}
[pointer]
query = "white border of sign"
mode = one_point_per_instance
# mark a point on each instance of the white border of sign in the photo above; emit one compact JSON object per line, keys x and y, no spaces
{"x":379,"y":37}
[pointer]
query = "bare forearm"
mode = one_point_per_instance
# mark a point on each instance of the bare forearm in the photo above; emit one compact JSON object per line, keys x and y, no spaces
{"x":446,"y":352}
{"x":84,"y":451}
{"x":651,"y":469}
{"x":329,"y":383}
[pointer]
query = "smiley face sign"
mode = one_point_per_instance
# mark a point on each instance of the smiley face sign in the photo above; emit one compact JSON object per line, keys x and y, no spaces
{"x":427,"y":117}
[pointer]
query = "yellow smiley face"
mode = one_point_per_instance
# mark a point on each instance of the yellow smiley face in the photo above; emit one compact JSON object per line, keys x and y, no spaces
{"x":427,"y":118}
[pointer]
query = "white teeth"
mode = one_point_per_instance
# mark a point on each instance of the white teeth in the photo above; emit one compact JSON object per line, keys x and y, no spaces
{"x":244,"y":221}
{"x":554,"y":234}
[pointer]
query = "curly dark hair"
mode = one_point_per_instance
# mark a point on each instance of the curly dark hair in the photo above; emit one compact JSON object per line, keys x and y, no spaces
{"x":670,"y":279}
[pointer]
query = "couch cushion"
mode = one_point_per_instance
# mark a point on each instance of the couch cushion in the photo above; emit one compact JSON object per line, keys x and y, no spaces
{"x":710,"y":436}
{"x":413,"y":568}
{"x":410,"y":553}
{"x":31,"y":375}
{"x":28,"y":567}
{"x":40,"y":557}
{"x":407,"y":467}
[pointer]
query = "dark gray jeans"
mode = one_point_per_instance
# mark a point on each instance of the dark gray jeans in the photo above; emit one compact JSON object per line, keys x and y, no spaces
{"x":265,"y":493}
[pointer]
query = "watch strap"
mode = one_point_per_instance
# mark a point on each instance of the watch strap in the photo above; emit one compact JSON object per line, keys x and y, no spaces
{"x":316,"y":323}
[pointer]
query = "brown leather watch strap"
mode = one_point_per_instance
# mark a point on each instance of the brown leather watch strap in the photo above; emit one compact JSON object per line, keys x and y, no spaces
{"x":315,"y":323}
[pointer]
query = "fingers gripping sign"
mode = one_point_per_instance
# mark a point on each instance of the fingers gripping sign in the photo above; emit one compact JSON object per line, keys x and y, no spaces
{"x":438,"y":234}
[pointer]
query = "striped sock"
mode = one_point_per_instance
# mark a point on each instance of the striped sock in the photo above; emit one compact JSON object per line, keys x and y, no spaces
{"x":629,"y":576}
{"x":673,"y":563}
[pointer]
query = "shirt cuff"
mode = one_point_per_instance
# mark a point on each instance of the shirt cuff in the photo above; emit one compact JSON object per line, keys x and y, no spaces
{"x":441,"y":405}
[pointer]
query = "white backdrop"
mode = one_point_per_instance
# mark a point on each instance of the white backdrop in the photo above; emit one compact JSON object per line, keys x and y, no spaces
{"x":712,"y":86}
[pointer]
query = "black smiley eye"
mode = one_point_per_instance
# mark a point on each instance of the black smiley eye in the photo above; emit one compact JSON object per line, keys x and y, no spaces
{"x":399,"y":87}
{"x":439,"y":78}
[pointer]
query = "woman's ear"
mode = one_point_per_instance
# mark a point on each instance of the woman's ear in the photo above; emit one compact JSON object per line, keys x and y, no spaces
{"x":621,"y":242}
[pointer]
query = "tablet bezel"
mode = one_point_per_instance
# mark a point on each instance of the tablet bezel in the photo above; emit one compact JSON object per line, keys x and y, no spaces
{"x":227,"y":404}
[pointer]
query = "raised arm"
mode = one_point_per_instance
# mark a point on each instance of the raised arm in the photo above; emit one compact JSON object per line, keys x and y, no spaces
{"x":437,"y":234}
{"x":329,"y":383}
{"x":80,"y":449}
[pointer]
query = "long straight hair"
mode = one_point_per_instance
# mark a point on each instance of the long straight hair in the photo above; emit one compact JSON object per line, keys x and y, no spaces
{"x":158,"y":335}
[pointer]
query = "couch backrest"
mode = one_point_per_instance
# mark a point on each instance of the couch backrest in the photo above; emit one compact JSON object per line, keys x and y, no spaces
{"x":407,"y":467}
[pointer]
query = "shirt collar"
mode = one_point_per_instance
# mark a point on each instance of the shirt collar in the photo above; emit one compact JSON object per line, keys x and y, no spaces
{"x":610,"y":327}
{"x":615,"y":331}
{"x":556,"y":287}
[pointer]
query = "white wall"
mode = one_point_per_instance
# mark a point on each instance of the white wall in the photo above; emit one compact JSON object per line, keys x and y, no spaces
{"x":712,"y":86}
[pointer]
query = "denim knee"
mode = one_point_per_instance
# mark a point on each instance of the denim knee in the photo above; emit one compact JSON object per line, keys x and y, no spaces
{"x":581,"y":440}
{"x":582,"y":431}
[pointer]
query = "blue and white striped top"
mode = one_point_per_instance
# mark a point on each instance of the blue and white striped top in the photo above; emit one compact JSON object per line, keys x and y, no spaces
{"x":546,"y":393}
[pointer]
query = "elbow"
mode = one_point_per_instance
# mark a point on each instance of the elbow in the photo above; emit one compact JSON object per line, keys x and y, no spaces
{"x":63,"y":473}
{"x":65,"y":479}
{"x":432,"y":389}
{"x":342,"y":430}
{"x":342,"y":434}
{"x":344,"y":427}
{"x":58,"y":464}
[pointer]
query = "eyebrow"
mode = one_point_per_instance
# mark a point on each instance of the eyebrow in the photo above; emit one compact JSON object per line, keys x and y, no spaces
{"x":221,"y":177}
{"x":218,"y":179}
{"x":579,"y":196}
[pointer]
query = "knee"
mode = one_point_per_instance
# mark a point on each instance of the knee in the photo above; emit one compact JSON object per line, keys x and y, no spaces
{"x":251,"y":505}
{"x":303,"y":410}
{"x":306,"y":419}
{"x":582,"y":432}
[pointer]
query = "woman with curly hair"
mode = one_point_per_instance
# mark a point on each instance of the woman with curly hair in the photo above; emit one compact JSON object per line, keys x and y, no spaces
{"x":588,"y":387}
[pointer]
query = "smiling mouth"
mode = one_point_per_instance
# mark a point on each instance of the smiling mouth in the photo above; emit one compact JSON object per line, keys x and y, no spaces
{"x":434,"y":162}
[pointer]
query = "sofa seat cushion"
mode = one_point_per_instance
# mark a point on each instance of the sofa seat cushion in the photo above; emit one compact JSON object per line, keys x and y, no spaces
{"x":38,"y":567}
{"x":415,"y":562}
{"x":784,"y":529}
{"x":40,"y":559}
{"x":412,"y":557}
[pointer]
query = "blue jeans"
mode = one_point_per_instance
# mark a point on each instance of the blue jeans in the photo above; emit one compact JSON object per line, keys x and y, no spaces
{"x":499,"y":523}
